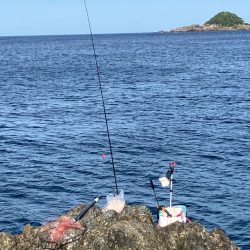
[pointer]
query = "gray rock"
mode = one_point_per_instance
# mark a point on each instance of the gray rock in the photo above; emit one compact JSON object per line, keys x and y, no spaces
{"x":211,"y":27}
{"x":7,"y":241}
{"x":132,"y":229}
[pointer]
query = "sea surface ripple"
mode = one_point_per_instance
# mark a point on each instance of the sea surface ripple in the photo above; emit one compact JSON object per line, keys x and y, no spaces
{"x":169,"y":97}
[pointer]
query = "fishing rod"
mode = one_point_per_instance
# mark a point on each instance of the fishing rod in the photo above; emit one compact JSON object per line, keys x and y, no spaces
{"x":101,"y":89}
{"x":153,"y":188}
{"x":169,"y":176}
{"x":159,"y":207}
{"x":85,"y":210}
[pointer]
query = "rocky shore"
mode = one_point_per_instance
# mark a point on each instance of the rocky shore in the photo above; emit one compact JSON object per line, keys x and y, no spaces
{"x":212,"y":27}
{"x":133,"y":229}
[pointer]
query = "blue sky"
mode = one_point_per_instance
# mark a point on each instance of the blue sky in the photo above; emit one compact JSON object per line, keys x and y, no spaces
{"x":46,"y":17}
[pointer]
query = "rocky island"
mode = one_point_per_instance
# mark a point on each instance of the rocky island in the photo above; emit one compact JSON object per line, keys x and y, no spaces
{"x":133,"y":229}
{"x":223,"y":21}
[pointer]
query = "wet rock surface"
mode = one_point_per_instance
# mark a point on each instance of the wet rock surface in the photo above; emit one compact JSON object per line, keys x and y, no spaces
{"x":132,"y":229}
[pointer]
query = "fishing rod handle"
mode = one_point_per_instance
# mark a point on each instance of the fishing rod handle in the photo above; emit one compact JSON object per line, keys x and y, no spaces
{"x":85,"y":210}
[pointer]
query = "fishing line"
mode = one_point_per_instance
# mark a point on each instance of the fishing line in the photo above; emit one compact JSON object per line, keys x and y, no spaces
{"x":100,"y":83}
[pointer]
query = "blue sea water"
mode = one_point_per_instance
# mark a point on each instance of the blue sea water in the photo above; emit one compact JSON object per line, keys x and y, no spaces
{"x":169,"y":97}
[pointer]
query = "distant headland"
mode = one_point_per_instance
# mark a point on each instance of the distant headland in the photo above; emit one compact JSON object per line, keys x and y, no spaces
{"x":220,"y":22}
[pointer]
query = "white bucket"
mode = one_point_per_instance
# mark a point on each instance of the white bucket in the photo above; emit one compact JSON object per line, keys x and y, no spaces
{"x":178,"y":213}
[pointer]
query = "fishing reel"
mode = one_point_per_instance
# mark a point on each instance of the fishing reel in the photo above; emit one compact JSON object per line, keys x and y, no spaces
{"x":166,"y":180}
{"x":170,"y":171}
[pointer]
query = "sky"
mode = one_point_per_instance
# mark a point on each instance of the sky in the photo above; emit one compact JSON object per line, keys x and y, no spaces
{"x":62,"y":17}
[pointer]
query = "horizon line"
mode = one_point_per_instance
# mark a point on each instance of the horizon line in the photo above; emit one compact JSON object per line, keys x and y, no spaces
{"x":85,"y":34}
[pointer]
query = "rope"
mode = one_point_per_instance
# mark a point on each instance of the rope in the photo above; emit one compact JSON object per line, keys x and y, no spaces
{"x":103,"y":103}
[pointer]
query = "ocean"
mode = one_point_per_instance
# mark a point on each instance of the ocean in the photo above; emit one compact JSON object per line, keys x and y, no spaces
{"x":181,"y":97}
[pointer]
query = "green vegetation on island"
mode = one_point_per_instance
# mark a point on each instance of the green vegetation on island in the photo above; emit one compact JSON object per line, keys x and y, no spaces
{"x":225,"y":19}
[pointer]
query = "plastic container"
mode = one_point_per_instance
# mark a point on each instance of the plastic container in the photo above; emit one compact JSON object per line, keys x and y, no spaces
{"x":178,"y":213}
